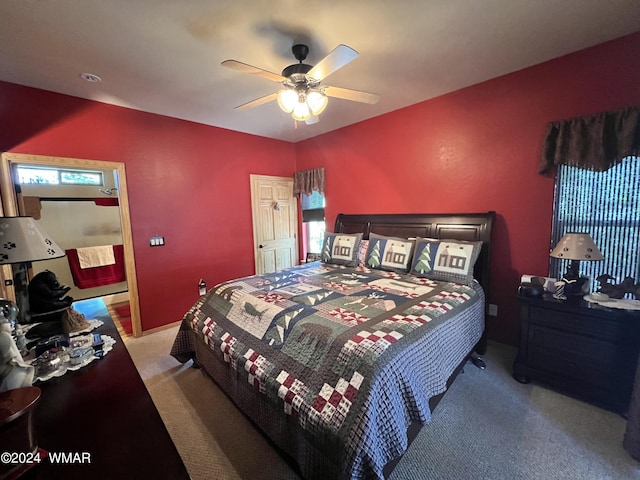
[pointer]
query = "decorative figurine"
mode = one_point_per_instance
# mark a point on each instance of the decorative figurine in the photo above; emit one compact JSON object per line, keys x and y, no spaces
{"x":619,"y":290}
{"x":47,"y":298}
{"x":51,"y":307}
{"x":14,"y":372}
{"x":559,"y":290}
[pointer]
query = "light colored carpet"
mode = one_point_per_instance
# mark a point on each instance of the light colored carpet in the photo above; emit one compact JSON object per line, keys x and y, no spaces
{"x":213,"y":438}
{"x":488,"y":426}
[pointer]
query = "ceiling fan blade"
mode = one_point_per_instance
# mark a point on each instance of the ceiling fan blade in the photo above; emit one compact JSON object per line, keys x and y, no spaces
{"x":257,"y":102}
{"x":244,"y":68}
{"x":353,"y":95}
{"x":337,"y":58}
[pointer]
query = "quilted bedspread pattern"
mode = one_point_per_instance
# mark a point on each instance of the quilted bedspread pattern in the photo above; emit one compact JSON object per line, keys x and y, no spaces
{"x":335,"y":347}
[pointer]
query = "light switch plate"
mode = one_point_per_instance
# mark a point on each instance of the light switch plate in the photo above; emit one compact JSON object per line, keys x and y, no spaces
{"x":156,"y":241}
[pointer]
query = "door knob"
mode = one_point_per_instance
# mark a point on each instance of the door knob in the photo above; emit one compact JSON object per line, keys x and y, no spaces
{"x":260,"y":246}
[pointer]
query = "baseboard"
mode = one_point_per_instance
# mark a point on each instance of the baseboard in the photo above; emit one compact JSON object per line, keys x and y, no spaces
{"x":116,"y":298}
{"x":163,"y":327}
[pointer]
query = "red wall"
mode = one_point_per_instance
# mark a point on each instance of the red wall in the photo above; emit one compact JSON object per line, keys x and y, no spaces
{"x":187,"y":181}
{"x":473,"y":150}
{"x":477,"y":149}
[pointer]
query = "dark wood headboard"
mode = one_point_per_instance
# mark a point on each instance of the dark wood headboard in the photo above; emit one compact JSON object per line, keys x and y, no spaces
{"x":458,"y":226}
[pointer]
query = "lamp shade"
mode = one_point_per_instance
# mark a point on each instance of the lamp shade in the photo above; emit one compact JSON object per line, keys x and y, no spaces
{"x":301,"y":111}
{"x":22,"y":240}
{"x":302,"y":104}
{"x":576,"y":246}
{"x":317,"y":102}
{"x":287,"y":99}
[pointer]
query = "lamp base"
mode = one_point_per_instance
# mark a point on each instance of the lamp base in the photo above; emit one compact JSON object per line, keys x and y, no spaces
{"x":21,"y":282}
{"x":578,"y":286}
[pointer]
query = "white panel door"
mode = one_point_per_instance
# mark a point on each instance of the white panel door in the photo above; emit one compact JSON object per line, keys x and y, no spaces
{"x":275,"y":220}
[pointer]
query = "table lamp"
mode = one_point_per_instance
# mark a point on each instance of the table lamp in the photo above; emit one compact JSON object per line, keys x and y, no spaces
{"x":22,"y":241}
{"x":576,"y":246}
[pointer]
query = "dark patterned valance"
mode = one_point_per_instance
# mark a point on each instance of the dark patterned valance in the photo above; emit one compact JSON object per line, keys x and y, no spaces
{"x":308,"y":181}
{"x":596,"y":142}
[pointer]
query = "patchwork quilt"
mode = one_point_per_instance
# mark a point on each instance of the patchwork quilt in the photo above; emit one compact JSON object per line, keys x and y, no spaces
{"x":349,"y":355}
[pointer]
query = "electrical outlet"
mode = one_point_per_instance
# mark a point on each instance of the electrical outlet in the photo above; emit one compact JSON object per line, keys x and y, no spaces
{"x":493,"y":310}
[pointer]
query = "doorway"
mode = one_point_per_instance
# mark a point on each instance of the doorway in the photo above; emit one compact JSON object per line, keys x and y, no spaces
{"x":275,"y":223}
{"x":10,"y":208}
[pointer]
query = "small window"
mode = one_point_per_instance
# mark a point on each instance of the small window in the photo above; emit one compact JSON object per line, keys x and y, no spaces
{"x":607,"y":206}
{"x":54,"y":176}
{"x":313,"y":220}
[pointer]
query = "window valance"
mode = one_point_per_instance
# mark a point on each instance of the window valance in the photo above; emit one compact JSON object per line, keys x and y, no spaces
{"x":308,"y":181}
{"x":596,"y":142}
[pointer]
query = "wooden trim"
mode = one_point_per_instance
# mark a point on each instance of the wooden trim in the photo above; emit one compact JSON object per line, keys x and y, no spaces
{"x":69,"y":199}
{"x":8,"y":209}
{"x":9,"y":203}
{"x":253,"y":185}
{"x":162,"y":327}
{"x":254,"y":181}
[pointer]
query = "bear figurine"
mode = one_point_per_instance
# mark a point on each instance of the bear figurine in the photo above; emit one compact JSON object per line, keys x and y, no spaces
{"x":51,"y":308}
{"x":47,"y":295}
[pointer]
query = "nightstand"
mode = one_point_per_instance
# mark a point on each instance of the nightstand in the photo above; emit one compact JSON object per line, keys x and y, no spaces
{"x":579,"y":348}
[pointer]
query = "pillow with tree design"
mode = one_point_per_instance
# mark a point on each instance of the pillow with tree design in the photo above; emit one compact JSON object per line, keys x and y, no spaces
{"x":389,"y":253}
{"x":341,"y":248}
{"x":446,"y":260}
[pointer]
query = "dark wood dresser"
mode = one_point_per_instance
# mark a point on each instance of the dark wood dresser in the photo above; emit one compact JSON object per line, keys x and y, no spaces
{"x":104,"y":413}
{"x":579,"y":348}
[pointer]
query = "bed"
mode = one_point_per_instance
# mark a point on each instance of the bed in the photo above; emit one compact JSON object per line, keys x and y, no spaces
{"x":339,"y":362}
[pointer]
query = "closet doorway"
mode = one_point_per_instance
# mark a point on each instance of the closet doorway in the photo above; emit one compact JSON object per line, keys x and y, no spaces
{"x":114,"y":173}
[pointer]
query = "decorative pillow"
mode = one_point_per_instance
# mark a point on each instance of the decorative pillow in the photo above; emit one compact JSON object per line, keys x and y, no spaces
{"x":389,"y":253}
{"x":341,"y":248}
{"x":447,"y":260}
{"x":362,"y":252}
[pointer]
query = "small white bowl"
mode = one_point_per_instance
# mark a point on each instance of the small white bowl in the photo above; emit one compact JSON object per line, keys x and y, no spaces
{"x":597,"y":297}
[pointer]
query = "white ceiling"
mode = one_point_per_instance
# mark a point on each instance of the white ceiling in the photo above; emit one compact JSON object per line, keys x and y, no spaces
{"x":163,"y":56}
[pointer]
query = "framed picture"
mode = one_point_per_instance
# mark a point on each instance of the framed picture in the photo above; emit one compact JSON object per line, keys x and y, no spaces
{"x":312,"y":257}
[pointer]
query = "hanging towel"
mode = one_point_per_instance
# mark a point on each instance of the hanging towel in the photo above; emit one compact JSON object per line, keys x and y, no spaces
{"x":32,"y":207}
{"x":106,"y":202}
{"x":97,"y":276}
{"x":91,"y":257}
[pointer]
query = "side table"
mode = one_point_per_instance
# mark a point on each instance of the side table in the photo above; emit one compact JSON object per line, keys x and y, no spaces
{"x":17,"y":436}
{"x":580,"y":348}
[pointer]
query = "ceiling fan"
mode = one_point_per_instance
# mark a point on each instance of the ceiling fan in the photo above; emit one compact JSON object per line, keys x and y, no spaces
{"x":302,"y":93}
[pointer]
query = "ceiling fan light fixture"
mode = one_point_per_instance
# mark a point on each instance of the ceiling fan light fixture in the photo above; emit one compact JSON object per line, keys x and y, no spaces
{"x":301,"y":93}
{"x":317,"y":102}
{"x":287,"y":99}
{"x":301,"y":112}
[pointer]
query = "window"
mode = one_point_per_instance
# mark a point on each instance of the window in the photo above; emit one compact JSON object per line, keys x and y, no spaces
{"x":607,"y":206}
{"x":313,"y":220}
{"x":54,"y":176}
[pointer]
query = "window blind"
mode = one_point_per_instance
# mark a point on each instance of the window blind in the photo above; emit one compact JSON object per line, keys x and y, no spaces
{"x":607,"y":206}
